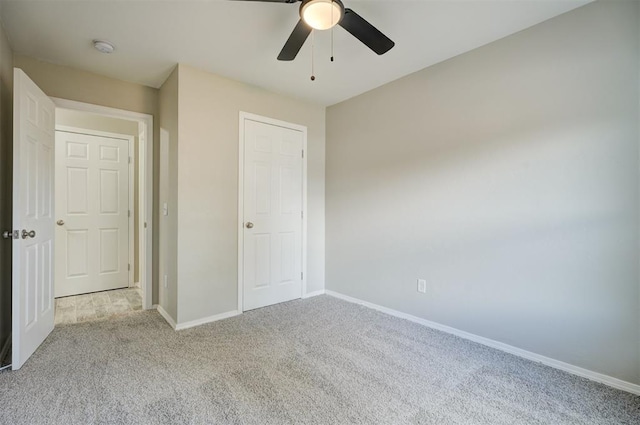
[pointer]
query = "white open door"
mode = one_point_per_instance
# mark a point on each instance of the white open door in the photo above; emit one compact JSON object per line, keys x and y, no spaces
{"x":33,"y":227}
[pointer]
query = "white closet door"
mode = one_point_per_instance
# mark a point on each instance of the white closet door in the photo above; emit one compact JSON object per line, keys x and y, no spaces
{"x":92,"y":213}
{"x":272,"y":259}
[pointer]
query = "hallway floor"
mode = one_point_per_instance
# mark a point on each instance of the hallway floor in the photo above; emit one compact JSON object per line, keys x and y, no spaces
{"x":99,"y":305}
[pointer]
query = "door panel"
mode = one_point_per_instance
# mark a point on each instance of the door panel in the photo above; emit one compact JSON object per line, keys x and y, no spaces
{"x":46,"y":267}
{"x":109,"y":192}
{"x":92,"y":190}
{"x":32,"y":275}
{"x":45,"y":183}
{"x":78,"y":264}
{"x":262,"y":256}
{"x":77,"y":191}
{"x":287,"y":257}
{"x":272,"y":257}
{"x":109,"y":250}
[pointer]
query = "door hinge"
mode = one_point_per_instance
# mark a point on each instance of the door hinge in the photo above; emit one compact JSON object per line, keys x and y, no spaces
{"x":301,"y":214}
{"x":128,"y":267}
{"x":129,"y":160}
{"x":129,"y":213}
{"x":301,"y":276}
{"x":145,"y":224}
{"x":303,"y":153}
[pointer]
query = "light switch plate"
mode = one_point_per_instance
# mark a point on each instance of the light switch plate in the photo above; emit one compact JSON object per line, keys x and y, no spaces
{"x":422,"y":286}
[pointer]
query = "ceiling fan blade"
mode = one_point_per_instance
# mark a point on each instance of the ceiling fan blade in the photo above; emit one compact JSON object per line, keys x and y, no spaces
{"x":295,"y":41}
{"x":365,"y":32}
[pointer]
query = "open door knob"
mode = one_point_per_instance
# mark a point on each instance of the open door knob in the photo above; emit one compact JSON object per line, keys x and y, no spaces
{"x":249,"y":225}
{"x":60,"y":222}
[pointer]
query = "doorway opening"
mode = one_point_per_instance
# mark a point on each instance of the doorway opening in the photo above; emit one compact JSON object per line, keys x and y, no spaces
{"x":103,"y":211}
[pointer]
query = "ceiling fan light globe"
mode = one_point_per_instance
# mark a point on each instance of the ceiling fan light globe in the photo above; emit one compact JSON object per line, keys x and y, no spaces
{"x":321,"y":14}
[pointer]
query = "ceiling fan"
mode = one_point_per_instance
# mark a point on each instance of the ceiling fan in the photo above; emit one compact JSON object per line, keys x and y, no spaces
{"x":325,"y":14}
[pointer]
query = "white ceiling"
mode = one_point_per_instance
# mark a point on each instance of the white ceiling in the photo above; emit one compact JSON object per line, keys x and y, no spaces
{"x":241,"y":40}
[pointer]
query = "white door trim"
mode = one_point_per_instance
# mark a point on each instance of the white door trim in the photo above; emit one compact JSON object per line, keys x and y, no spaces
{"x":253,"y":117}
{"x":131,"y":207}
{"x":145,"y":189}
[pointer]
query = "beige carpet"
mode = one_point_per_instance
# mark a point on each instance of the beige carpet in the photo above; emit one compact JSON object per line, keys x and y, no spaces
{"x":316,"y":361}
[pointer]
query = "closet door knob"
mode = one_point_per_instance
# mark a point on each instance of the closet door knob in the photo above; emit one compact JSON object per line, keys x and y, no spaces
{"x":60,"y":222}
{"x":249,"y":225}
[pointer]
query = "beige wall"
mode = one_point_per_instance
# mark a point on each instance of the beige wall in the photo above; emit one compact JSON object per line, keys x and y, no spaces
{"x":6,"y":160}
{"x":168,"y":297}
{"x":507,"y":177}
{"x":89,"y":121}
{"x":69,"y":83}
{"x":209,"y":107}
{"x":202,"y":280}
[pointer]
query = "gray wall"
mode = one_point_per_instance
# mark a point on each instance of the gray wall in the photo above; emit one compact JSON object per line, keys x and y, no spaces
{"x":168,"y":297}
{"x":507,"y":177}
{"x":6,"y":160}
{"x":207,"y":195}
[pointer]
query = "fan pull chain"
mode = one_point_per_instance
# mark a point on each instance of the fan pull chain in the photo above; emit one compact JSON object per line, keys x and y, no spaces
{"x":313,"y":44}
{"x":331,"y":44}
{"x":332,"y":26}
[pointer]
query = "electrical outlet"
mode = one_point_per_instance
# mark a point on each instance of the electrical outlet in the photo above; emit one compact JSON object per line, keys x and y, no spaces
{"x":422,"y":286}
{"x":166,"y":280}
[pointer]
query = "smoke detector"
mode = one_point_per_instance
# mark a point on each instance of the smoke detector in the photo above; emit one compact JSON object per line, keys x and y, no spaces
{"x":103,"y":46}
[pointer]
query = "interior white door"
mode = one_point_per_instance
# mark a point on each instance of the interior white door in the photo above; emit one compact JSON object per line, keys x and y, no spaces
{"x":92,"y":213}
{"x":33,"y":206}
{"x":272,"y":188}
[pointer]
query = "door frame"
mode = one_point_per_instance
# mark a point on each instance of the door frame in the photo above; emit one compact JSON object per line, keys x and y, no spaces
{"x":131,"y":185}
{"x":246,"y":116}
{"x":145,"y":187}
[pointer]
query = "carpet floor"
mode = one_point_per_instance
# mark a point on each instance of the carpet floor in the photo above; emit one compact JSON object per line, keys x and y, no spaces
{"x":315,"y":361}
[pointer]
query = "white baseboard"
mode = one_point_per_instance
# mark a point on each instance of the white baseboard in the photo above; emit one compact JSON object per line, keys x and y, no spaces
{"x":198,"y":322}
{"x":166,"y":315}
{"x":5,"y":348}
{"x":313,"y":294}
{"x":575,"y":370}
